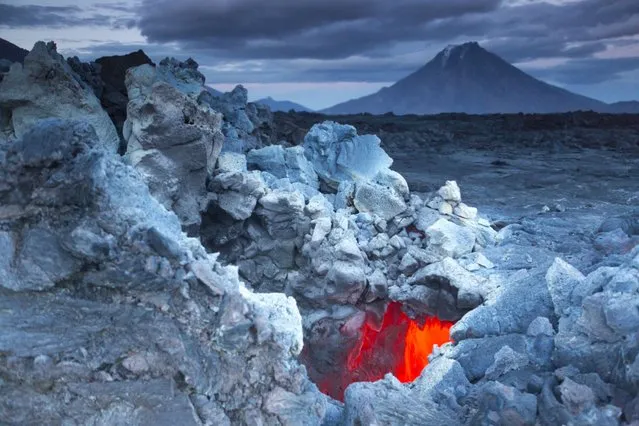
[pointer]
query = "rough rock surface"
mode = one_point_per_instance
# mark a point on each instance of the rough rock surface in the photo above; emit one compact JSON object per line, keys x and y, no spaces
{"x":46,"y":86}
{"x":104,"y":296}
{"x":247,"y":125}
{"x":172,"y":140}
{"x":276,"y":215}
{"x":114,"y":98}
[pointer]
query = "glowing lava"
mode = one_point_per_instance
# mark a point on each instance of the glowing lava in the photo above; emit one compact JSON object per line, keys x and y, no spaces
{"x":399,"y":346}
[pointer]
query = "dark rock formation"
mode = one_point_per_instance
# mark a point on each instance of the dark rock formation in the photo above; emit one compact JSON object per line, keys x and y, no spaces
{"x":114,"y":96}
{"x":11,"y":52}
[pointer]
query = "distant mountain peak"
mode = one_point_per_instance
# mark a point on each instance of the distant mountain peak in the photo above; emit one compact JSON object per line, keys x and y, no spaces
{"x":470,"y":79}
{"x":285,"y":106}
{"x":457,"y":51}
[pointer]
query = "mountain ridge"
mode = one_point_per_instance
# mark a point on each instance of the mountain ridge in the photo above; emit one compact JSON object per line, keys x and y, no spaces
{"x":11,"y":52}
{"x":283,"y":106}
{"x":469,"y":79}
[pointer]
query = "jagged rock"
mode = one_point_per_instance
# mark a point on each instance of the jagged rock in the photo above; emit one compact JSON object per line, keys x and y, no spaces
{"x":339,"y":154}
{"x":443,"y":289}
{"x":184,"y":76}
{"x":382,"y":201}
{"x":450,"y":192}
{"x":464,"y":211}
{"x":425,"y":218}
{"x":475,"y":261}
{"x":540,"y":326}
{"x":238,"y":192}
{"x":231,"y":162}
{"x":504,"y":405}
{"x":46,"y":86}
{"x":389,"y":402}
{"x":562,"y":278}
{"x":173,"y":141}
{"x":114,"y":97}
{"x":284,"y":163}
{"x":393,"y":180}
{"x":518,"y":298}
{"x":89,"y":73}
{"x":153,"y":317}
{"x":506,"y":360}
{"x":246,"y":125}
{"x":444,"y":381}
{"x":450,"y":239}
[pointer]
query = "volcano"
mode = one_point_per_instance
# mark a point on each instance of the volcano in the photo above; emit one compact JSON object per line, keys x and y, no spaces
{"x":469,"y":79}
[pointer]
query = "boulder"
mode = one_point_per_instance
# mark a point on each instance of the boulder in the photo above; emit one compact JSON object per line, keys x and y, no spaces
{"x":46,"y":87}
{"x":450,"y":239}
{"x":379,"y":200}
{"x":338,"y":153}
{"x":443,"y":289}
{"x":172,"y":141}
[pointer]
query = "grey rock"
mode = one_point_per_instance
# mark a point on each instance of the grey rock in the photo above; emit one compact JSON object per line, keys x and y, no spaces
{"x":562,"y":278}
{"x":379,"y":200}
{"x":450,"y":192}
{"x":145,"y":317}
{"x":46,"y":87}
{"x":540,"y":326}
{"x":389,"y":402}
{"x":465,"y":211}
{"x":506,"y":360}
{"x":449,"y":289}
{"x":338,"y":153}
{"x":504,"y":405}
{"x":172,"y":140}
{"x":452,"y":240}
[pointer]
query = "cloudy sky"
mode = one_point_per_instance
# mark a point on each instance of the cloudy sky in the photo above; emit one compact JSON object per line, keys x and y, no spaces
{"x":321,"y":52}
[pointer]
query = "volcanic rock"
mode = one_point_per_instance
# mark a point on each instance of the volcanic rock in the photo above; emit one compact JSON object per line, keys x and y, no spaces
{"x":338,"y":153}
{"x":172,"y":140}
{"x":247,"y":125}
{"x":128,"y":318}
{"x":46,"y":86}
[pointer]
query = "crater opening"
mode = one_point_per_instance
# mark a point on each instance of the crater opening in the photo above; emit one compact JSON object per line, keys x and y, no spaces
{"x":397,"y":344}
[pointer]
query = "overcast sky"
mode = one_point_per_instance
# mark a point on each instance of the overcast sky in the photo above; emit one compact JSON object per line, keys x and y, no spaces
{"x":321,"y":52}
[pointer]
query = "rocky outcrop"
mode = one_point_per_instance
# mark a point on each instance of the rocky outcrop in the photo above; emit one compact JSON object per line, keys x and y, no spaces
{"x":172,"y":140}
{"x":46,"y":86}
{"x":114,"y":97}
{"x":103,"y":296}
{"x":342,"y":237}
{"x":247,"y":125}
{"x":111,"y":313}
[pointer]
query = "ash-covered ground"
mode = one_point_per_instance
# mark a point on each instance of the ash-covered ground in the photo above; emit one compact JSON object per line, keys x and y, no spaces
{"x":173,"y":256}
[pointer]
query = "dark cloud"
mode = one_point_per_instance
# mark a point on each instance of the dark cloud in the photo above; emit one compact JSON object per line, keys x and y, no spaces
{"x":326,"y":29}
{"x":25,"y":16}
{"x":541,"y":47}
{"x":588,"y":71}
{"x":356,"y":40}
{"x":303,"y":29}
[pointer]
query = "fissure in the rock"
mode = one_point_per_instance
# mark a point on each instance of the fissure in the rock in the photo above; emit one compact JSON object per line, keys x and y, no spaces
{"x":397,"y":344}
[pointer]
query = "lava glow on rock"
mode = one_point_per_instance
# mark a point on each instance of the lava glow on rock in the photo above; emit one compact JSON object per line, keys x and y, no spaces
{"x":400,"y":345}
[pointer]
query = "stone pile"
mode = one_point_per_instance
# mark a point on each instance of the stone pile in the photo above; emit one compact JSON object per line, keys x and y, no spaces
{"x":329,"y":223}
{"x":110,"y":313}
{"x":576,"y":363}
